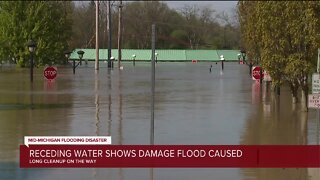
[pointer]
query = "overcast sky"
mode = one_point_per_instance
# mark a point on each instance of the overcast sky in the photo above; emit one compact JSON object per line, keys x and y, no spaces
{"x":219,"y":6}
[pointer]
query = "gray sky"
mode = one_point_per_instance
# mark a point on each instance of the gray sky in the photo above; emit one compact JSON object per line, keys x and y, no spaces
{"x":219,"y":6}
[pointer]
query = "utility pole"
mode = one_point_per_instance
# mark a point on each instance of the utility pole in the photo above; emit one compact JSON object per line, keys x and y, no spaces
{"x":97,"y":36}
{"x":153,"y":44}
{"x":109,"y":32}
{"x":153,"y":69}
{"x":119,"y":34}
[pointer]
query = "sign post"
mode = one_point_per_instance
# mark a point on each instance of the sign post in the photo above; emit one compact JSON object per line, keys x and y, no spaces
{"x":50,"y":73}
{"x":318,"y":122}
{"x":315,"y":88}
{"x":318,"y":60}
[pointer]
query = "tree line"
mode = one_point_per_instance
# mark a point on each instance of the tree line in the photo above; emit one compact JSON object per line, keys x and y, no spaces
{"x":282,"y":37}
{"x":191,"y":27}
{"x":46,"y":22}
{"x":57,"y":26}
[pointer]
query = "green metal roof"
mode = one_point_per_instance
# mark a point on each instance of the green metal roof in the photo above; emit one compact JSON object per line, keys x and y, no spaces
{"x":205,"y":55}
{"x":163,"y":54}
{"x":229,"y":55}
{"x":141,"y":54}
{"x":171,"y":55}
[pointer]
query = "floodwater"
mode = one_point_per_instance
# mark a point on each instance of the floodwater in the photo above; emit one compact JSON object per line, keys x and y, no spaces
{"x":192,"y":106}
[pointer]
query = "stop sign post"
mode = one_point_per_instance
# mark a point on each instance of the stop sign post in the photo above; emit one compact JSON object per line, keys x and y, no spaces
{"x":50,"y":73}
{"x":256,"y":73}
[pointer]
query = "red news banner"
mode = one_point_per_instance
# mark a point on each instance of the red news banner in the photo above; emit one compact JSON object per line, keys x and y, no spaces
{"x":144,"y":156}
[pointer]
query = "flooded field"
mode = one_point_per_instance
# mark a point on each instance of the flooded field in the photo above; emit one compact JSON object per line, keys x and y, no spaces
{"x":192,"y":106}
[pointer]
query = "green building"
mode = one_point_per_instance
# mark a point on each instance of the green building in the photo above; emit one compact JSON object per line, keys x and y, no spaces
{"x":173,"y":55}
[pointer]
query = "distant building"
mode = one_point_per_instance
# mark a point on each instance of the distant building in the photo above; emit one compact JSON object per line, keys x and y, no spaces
{"x":162,"y":55}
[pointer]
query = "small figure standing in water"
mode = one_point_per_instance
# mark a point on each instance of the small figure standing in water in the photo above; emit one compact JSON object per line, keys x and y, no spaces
{"x":210,"y":68}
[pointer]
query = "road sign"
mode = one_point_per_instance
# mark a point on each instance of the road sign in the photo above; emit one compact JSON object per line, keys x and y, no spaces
{"x":50,"y":73}
{"x":314,"y":101}
{"x":315,"y":83}
{"x":256,"y":72}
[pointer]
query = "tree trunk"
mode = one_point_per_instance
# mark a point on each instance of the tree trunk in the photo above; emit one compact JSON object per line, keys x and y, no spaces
{"x":294,"y":92}
{"x":304,"y":98}
{"x":278,"y":90}
{"x":295,"y":98}
{"x":275,"y":99}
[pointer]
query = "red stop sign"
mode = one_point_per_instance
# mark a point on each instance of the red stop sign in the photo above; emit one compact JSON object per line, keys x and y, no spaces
{"x":256,"y":73}
{"x":50,"y":72}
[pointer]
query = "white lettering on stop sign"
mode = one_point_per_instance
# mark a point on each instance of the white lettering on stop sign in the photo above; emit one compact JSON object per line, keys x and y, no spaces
{"x":50,"y":73}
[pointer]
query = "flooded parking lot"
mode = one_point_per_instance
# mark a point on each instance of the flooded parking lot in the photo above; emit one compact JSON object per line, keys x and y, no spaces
{"x":192,"y":106}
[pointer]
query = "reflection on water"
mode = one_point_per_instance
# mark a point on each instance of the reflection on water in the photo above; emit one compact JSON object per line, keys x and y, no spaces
{"x":192,"y":106}
{"x":274,"y":121}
